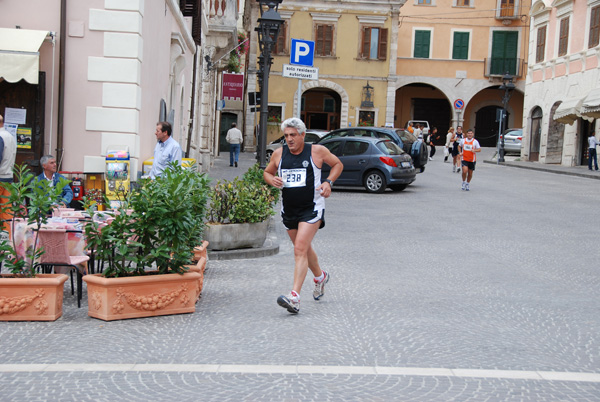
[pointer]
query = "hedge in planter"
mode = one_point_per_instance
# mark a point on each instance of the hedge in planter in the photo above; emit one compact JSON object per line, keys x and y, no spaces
{"x":25,"y":295}
{"x":236,"y":205}
{"x":158,"y":227}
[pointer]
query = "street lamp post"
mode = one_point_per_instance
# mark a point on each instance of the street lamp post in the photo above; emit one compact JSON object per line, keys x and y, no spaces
{"x":268,"y":27}
{"x":508,"y":87}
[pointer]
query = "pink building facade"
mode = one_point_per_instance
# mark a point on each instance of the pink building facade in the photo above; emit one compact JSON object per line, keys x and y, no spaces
{"x":562,"y":96}
{"x":109,"y":70}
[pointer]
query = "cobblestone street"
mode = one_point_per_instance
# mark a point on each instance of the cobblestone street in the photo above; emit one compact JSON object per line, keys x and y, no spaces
{"x":436,"y":294}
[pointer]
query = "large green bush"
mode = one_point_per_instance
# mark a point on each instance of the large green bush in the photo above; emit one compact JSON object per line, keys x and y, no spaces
{"x":158,"y":225}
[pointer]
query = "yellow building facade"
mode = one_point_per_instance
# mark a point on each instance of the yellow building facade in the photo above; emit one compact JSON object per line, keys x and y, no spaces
{"x":355,"y":53}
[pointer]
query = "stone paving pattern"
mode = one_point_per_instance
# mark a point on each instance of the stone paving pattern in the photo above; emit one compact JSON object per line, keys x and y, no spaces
{"x":504,"y":277}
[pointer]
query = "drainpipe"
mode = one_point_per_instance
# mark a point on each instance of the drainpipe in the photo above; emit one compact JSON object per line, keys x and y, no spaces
{"x":61,"y":83}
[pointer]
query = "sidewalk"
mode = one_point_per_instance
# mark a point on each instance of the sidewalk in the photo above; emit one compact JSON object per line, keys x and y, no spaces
{"x":514,"y":161}
{"x":222,"y":171}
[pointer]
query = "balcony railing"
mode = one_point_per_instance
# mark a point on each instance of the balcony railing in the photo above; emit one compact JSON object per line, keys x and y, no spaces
{"x":497,"y":66}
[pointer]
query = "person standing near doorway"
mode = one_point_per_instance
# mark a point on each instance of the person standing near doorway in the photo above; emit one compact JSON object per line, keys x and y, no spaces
{"x":468,"y":147}
{"x":295,"y":168}
{"x":592,"y":142}
{"x":235,"y":139}
{"x":8,"y":154}
{"x":166,"y":150}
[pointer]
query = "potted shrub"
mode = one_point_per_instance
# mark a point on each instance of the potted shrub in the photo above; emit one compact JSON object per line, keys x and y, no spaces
{"x":147,"y":248}
{"x":24,"y":294}
{"x":239,"y":211}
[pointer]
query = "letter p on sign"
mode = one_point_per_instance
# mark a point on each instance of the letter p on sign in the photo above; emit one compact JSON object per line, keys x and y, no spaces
{"x":302,"y":53}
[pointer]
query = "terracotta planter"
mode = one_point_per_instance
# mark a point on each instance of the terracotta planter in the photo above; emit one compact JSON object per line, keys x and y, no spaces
{"x":142,"y":296}
{"x":200,"y":251}
{"x":233,"y":236}
{"x":31,"y":299}
{"x":200,"y":267}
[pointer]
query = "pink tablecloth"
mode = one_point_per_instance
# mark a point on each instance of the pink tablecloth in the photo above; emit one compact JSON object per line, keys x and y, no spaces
{"x":25,"y":236}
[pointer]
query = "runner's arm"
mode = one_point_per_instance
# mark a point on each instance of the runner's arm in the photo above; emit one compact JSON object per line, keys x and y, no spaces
{"x":271,"y":170}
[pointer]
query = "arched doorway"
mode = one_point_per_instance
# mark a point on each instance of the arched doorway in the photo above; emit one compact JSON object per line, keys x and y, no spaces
{"x":536,"y":134}
{"x":487,"y":126}
{"x":556,"y":134}
{"x":226,"y":120}
{"x":420,"y":101}
{"x":585,"y":129}
{"x":321,"y":108}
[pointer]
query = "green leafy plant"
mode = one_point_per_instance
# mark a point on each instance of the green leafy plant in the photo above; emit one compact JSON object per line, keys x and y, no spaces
{"x":32,"y":201}
{"x":246,"y":200}
{"x":157,"y":225}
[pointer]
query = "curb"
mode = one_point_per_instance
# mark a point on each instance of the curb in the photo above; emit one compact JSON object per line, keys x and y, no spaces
{"x":541,"y":168}
{"x":269,"y":248}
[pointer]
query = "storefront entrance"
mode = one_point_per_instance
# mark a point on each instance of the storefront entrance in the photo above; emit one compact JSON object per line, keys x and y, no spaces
{"x":29,"y":98}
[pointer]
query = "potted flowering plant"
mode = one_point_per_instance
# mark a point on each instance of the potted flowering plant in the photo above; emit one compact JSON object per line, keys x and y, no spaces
{"x":147,"y":248}
{"x":239,"y":211}
{"x":24,"y":294}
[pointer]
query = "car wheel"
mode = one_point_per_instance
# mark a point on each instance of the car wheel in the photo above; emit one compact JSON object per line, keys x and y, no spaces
{"x":268,"y":155}
{"x":398,"y":187}
{"x":375,"y":182}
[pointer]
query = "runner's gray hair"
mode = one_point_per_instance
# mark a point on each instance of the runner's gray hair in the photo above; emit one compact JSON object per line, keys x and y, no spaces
{"x":294,"y":122}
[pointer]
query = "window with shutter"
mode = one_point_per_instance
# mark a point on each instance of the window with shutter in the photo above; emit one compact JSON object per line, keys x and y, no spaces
{"x":563,"y":40}
{"x":422,"y":44}
{"x":594,"y":27}
{"x":280,"y":45}
{"x":374,"y":43}
{"x":460,"y":47}
{"x":540,"y":47}
{"x":504,"y":52}
{"x":324,"y":40}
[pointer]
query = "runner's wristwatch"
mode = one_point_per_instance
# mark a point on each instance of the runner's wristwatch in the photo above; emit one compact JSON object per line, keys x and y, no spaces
{"x":330,"y":182}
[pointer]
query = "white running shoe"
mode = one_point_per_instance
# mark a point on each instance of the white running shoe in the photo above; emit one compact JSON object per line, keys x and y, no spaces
{"x":467,"y":187}
{"x":289,"y":302}
{"x":320,"y":286}
{"x":463,"y":185}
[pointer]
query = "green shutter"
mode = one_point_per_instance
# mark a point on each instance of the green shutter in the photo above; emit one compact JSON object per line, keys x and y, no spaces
{"x":422,"y":41}
{"x":460,"y":49}
{"x":504,"y":52}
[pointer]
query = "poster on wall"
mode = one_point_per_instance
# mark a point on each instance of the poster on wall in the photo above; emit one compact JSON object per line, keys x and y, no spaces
{"x":16,"y":116}
{"x":24,"y":137}
{"x":12,"y":128}
{"x":233,"y":86}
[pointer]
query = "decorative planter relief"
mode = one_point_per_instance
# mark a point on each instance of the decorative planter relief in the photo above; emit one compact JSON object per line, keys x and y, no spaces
{"x":32,"y":299}
{"x":233,"y":236}
{"x":142,"y":296}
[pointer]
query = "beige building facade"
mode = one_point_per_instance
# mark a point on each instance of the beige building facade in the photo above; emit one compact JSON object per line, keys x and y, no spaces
{"x":452,"y":56}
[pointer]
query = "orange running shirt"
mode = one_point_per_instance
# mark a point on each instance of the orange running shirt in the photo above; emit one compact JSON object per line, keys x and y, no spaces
{"x":468,"y":147}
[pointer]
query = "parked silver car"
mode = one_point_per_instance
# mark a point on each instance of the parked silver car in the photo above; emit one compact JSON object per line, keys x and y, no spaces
{"x":512,"y":140}
{"x":311,"y":137}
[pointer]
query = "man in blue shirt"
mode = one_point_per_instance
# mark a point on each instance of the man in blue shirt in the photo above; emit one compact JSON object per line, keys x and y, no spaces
{"x":48,"y":163}
{"x":166,"y":151}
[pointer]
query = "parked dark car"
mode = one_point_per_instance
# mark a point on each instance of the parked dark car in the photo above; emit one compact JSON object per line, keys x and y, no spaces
{"x":408,"y":142}
{"x":374,"y":163}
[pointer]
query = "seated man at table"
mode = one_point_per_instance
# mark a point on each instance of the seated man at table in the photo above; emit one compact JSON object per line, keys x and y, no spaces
{"x":48,"y":163}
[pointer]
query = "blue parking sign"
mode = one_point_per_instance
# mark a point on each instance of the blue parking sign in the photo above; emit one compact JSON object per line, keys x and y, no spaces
{"x":303,"y":52}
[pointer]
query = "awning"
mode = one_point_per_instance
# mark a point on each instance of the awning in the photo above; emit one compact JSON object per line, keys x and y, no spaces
{"x":19,"y":54}
{"x":568,"y":111}
{"x":590,"y":107}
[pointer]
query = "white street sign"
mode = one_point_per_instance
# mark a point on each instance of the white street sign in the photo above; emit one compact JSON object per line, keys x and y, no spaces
{"x":300,"y":72}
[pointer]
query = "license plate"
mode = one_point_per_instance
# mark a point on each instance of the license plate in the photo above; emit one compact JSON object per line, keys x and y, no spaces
{"x":405,"y":164}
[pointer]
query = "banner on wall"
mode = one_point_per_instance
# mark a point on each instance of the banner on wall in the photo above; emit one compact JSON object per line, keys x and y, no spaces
{"x":233,"y":86}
